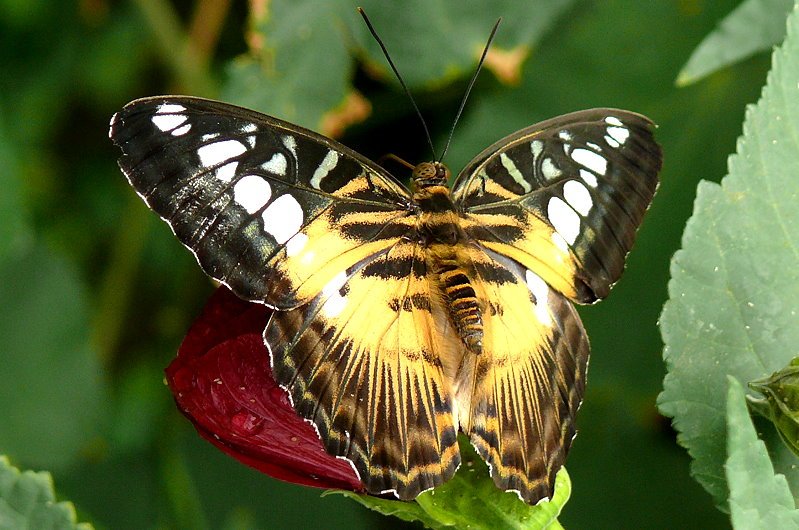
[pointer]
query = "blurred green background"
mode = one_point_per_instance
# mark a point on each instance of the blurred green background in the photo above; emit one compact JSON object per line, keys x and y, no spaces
{"x":96,"y":293}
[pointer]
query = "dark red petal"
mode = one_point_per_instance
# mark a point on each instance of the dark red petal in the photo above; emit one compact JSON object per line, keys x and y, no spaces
{"x":222,"y":382}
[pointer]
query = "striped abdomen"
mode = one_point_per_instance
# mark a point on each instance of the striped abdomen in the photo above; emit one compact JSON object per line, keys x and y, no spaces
{"x":461,"y":302}
{"x":439,"y":230}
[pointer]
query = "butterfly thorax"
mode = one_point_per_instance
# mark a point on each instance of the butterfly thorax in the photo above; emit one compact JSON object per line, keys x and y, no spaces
{"x":440,"y":233}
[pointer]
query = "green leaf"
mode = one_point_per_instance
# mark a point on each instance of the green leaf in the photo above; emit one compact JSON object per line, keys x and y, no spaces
{"x":759,"y":498}
{"x":471,"y":500}
{"x":754,"y":26}
{"x":732,"y":297}
{"x":13,"y":225}
{"x":445,"y":42}
{"x":285,"y":74}
{"x":51,"y":386}
{"x":407,"y":511}
{"x":780,"y":402}
{"x":27,"y":501}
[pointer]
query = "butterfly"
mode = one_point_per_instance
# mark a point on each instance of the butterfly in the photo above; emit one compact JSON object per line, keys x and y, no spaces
{"x":403,"y":316}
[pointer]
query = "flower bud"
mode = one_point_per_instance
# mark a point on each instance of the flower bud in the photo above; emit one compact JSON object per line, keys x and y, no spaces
{"x":780,"y":402}
{"x":222,"y":381}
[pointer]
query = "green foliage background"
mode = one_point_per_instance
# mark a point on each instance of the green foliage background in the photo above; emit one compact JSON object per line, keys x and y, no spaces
{"x":95,"y":293}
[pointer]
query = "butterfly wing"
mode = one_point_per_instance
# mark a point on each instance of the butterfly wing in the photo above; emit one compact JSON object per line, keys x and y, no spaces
{"x":370,"y":361}
{"x":554,"y":209}
{"x":564,"y":197}
{"x":269,"y":208}
{"x":518,"y":399}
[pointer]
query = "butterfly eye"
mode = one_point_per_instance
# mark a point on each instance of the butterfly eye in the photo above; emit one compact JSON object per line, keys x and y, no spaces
{"x":430,"y":174}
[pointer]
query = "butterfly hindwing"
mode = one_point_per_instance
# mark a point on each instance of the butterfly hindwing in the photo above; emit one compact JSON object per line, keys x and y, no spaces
{"x":518,"y":399}
{"x":564,"y":197}
{"x":247,"y":192}
{"x":370,"y":361}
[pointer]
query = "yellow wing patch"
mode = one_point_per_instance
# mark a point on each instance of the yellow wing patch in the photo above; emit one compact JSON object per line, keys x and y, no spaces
{"x":371,"y":362}
{"x":315,"y":255}
{"x":534,"y":243}
{"x":519,"y":398}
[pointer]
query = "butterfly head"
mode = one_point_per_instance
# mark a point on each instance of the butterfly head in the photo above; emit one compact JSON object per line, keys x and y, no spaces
{"x":429,"y":174}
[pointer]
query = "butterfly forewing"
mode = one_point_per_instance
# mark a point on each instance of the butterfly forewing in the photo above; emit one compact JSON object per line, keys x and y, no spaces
{"x":564,"y":197}
{"x":247,"y":192}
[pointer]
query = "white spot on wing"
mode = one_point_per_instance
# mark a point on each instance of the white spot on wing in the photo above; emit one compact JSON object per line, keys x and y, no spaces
{"x":327,"y":165}
{"x":540,"y":290}
{"x":565,"y":136}
{"x":612,"y":141}
{"x":514,"y":172}
{"x":183,"y":129}
{"x":217,"y":152}
{"x":248,"y":129}
{"x":169,"y":108}
{"x":335,"y":303}
{"x":588,"y":177}
{"x":277,"y":164}
{"x":252,"y":193}
{"x":167,"y":117}
{"x":549,"y":169}
{"x":560,"y":242}
{"x":591,"y":160}
{"x":209,"y":136}
{"x":295,"y":245}
{"x":613,"y":120}
{"x":168,"y":122}
{"x":564,"y":219}
{"x":291,"y":144}
{"x":113,"y":124}
{"x":283,"y":218}
{"x":227,"y":172}
{"x":536,"y":146}
{"x":578,"y":197}
{"x":620,"y":134}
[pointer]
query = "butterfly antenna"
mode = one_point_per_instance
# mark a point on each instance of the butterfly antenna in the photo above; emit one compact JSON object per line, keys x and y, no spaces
{"x":469,"y":88}
{"x":396,"y":72}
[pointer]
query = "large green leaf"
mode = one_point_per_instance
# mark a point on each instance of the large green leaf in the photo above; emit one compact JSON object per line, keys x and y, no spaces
{"x":299,"y":66}
{"x":52,"y":390}
{"x":754,"y":26}
{"x":732,"y":307}
{"x":27,"y":502}
{"x":758,"y":497}
{"x":471,"y":500}
{"x":435,"y":40}
{"x":285,"y":74}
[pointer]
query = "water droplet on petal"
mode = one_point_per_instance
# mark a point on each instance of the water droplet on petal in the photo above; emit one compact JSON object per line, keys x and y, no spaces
{"x":278,"y":395}
{"x":246,"y":423}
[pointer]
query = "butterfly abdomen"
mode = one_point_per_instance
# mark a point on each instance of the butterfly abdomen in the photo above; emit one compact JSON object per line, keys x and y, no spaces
{"x":461,"y":301}
{"x":441,"y":233}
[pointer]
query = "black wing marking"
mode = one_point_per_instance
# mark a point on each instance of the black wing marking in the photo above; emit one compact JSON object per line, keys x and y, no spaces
{"x":246,"y":192}
{"x":370,"y":361}
{"x":564,"y":197}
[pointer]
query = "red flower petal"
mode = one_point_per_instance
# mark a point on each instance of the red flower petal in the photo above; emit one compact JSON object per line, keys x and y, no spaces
{"x":222,"y":381}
